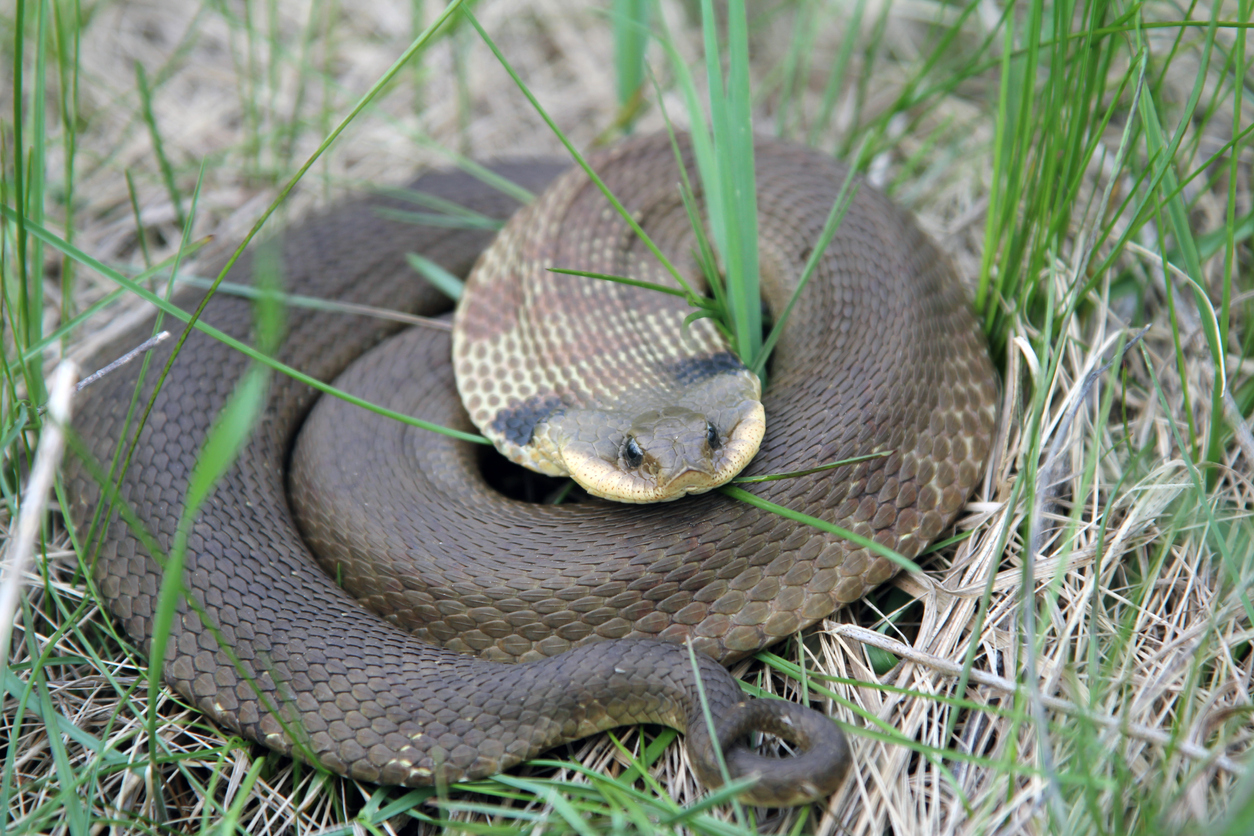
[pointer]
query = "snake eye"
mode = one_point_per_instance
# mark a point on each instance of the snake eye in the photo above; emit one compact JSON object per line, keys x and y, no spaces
{"x":631,"y":452}
{"x":711,"y":436}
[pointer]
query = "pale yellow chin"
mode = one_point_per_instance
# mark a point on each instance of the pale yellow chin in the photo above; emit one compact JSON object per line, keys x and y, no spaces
{"x":606,"y":480}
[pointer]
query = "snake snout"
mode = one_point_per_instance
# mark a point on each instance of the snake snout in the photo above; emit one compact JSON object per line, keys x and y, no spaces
{"x":685,"y":451}
{"x":816,"y":770}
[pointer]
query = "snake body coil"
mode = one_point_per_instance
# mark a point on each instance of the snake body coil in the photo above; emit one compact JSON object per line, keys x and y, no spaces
{"x":881,"y":355}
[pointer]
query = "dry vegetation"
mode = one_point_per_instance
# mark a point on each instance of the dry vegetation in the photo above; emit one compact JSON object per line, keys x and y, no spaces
{"x":1119,"y":702}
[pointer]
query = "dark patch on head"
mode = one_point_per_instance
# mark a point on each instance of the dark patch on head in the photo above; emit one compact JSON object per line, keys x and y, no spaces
{"x":696,"y":369}
{"x":518,"y":423}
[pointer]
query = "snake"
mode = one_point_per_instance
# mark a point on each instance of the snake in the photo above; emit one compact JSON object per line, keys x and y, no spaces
{"x":361,"y":593}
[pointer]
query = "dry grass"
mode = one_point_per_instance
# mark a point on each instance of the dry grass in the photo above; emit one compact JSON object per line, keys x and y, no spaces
{"x":1132,"y":711}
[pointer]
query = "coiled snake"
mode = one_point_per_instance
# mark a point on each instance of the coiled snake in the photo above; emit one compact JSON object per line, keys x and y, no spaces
{"x":594,"y":599}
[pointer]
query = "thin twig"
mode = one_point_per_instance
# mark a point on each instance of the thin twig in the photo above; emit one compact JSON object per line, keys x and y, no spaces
{"x":314,"y":303}
{"x":35,"y":499}
{"x":150,"y":343}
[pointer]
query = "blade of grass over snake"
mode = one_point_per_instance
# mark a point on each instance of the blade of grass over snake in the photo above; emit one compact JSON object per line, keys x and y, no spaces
{"x":834,"y":217}
{"x":441,"y":221}
{"x":702,"y":147}
{"x":127,"y":514}
{"x":822,"y":525}
{"x":774,"y":477}
{"x":178,"y":313}
{"x":712,"y":180}
{"x":708,"y":314}
{"x":735,"y":156}
{"x":452,"y":208}
{"x":193,"y":321}
{"x":444,"y":281}
{"x":705,"y":253}
{"x":710,"y":728}
{"x":578,"y":158}
{"x":230,"y":432}
{"x":121,"y":460}
{"x":476,"y":169}
{"x":660,"y":288}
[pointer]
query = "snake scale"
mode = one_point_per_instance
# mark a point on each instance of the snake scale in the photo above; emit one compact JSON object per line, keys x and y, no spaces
{"x":390,"y":665}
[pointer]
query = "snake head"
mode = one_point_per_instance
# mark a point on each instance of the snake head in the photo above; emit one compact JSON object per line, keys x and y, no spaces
{"x":667,"y":453}
{"x":691,"y":432}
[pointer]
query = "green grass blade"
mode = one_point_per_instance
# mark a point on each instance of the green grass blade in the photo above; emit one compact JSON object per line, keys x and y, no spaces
{"x":699,"y":131}
{"x":35,"y":187}
{"x":735,"y":153}
{"x":660,"y":288}
{"x":631,"y":38}
{"x":837,"y":214}
{"x":793,"y":474}
{"x":444,"y":281}
{"x":439,"y":221}
{"x":821,"y":525}
{"x":158,"y":146}
{"x":226,"y":438}
{"x":836,"y":77}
